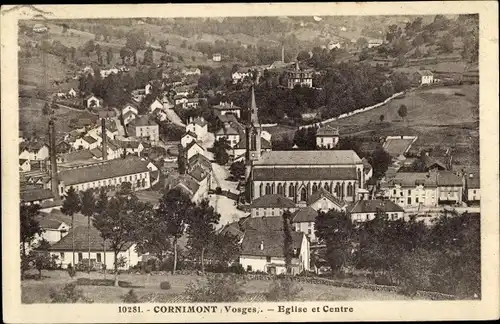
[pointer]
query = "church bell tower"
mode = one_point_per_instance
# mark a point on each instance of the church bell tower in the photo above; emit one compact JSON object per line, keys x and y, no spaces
{"x":253,"y":139}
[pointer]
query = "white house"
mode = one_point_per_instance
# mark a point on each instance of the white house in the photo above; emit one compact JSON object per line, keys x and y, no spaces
{"x":100,"y":251}
{"x":187,"y":138}
{"x":303,"y":220}
{"x":365,"y":210}
{"x":129,"y":107}
{"x":39,"y":28}
{"x":226,"y":108}
{"x":198,"y":126}
{"x":332,"y":45}
{"x":24,"y":165}
{"x":192,"y":103}
{"x":375,"y":42}
{"x":240,"y":75}
{"x":53,"y":229}
{"x":424,"y":77}
{"x":128,"y":117}
{"x":191,"y":71}
{"x":33,"y":151}
{"x":230,"y":134}
{"x":216,"y":57}
{"x":180,"y":100}
{"x":148,"y":88}
{"x":92,"y":101}
{"x":87,"y":143}
{"x":263,"y":251}
{"x":193,"y":149}
{"x":132,"y":147}
{"x":146,"y":128}
{"x":271,"y":205}
{"x":157,"y":104}
{"x":72,"y":92}
{"x":327,"y":137}
{"x":412,"y":189}
{"x":473,"y":188}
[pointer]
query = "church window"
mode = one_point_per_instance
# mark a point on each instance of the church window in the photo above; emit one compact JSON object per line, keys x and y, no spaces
{"x":268,"y":189}
{"x":280,"y":189}
{"x":272,"y":188}
{"x":315,"y":187}
{"x":291,"y":191}
{"x":327,"y":187}
{"x":303,"y":194}
{"x":261,"y":187}
{"x":337,"y":190}
{"x":359,"y":176}
{"x":349,"y":189}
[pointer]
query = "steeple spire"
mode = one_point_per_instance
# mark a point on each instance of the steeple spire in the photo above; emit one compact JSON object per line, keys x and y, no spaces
{"x":254,"y":117}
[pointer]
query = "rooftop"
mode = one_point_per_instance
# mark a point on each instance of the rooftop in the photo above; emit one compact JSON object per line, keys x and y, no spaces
{"x":313,"y":173}
{"x":226,"y":106}
{"x":103,"y":170}
{"x":448,"y":178}
{"x":425,"y":73}
{"x":271,"y":243}
{"x":412,"y":179}
{"x":77,"y":156}
{"x":305,"y":214}
{"x":372,"y":206}
{"x":327,"y":131}
{"x":323,"y":193}
{"x":242,"y":144}
{"x":36,"y":194}
{"x":144,"y":121}
{"x":273,"y":223}
{"x":272,"y":201}
{"x":81,"y":241}
{"x":321,"y":157}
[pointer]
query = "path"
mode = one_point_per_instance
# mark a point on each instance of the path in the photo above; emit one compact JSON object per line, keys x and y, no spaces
{"x":173,"y":117}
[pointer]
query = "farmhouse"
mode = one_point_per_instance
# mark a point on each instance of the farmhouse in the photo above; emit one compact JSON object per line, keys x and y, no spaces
{"x":224,"y":108}
{"x":366,"y":210}
{"x":423,"y":77}
{"x":92,"y":101}
{"x":327,"y":137}
{"x":263,"y":251}
{"x":100,"y":250}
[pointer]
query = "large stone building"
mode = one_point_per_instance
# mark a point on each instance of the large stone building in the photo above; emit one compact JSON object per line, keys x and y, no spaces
{"x":300,"y":77}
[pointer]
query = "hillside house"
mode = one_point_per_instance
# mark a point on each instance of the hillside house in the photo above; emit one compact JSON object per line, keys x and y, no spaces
{"x":271,"y":205}
{"x":24,"y":165}
{"x":216,"y":57}
{"x":300,"y":77}
{"x":193,"y":149}
{"x":366,"y":210}
{"x":327,"y":137}
{"x":423,"y":77}
{"x":263,"y":251}
{"x":39,"y":28}
{"x":198,"y":126}
{"x":224,"y":108}
{"x":100,"y":250}
{"x":192,"y":103}
{"x":33,"y":151}
{"x":191,"y":71}
{"x":92,"y":101}
{"x":187,"y":138}
{"x":450,"y":188}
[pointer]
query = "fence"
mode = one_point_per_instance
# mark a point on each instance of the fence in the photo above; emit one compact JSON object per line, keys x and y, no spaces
{"x":357,"y":111}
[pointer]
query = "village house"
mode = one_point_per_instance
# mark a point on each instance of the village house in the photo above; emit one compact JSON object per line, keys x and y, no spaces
{"x":130,"y":107}
{"x":92,"y":101}
{"x":191,"y":71}
{"x":180,"y":100}
{"x":33,"y":151}
{"x":189,"y":185}
{"x":39,"y":28}
{"x":300,"y":77}
{"x":450,"y":187}
{"x":327,"y":137}
{"x":100,"y":250}
{"x":423,"y":77}
{"x":75,"y":156}
{"x":132,"y":147}
{"x":109,"y":174}
{"x":303,"y":220}
{"x":53,"y":229}
{"x":146,"y":128}
{"x":216,"y":57}
{"x":198,"y":126}
{"x":375,"y":42}
{"x":128,"y":117}
{"x":193,"y":149}
{"x":36,"y":196}
{"x":240,"y":74}
{"x":322,"y":200}
{"x":192,"y":103}
{"x":86,"y":142}
{"x":156,"y":104}
{"x":187,"y":138}
{"x":199,"y":160}
{"x":263,"y":251}
{"x":224,"y":108}
{"x":412,"y":189}
{"x":24,"y":165}
{"x":231,"y":135}
{"x":472,"y":188}
{"x":366,"y":210}
{"x":72,"y":93}
{"x":271,"y":205}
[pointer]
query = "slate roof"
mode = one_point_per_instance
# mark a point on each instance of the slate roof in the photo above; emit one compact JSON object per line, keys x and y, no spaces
{"x":474,"y":182}
{"x":273,"y":223}
{"x":200,"y":121}
{"x":190,"y":133}
{"x":411,"y":179}
{"x":322,"y":192}
{"x":306,"y":214}
{"x":272,"y":243}
{"x":327,"y":131}
{"x":31,"y":146}
{"x":320,"y":157}
{"x":425,"y":73}
{"x":227,"y":131}
{"x":272,"y":201}
{"x":36,"y":194}
{"x":193,"y":143}
{"x":185,"y":182}
{"x":144,"y":121}
{"x":48,"y":223}
{"x":198,"y":173}
{"x":103,"y":170}
{"x":313,"y":173}
{"x":89,"y":139}
{"x":81,"y":241}
{"x":448,"y":178}
{"x":372,"y":206}
{"x":201,"y":159}
{"x":96,"y":152}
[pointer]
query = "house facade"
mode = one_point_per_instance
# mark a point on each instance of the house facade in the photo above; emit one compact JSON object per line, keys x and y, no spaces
{"x":300,"y":77}
{"x":271,"y":205}
{"x":424,"y":77}
{"x":366,"y":210}
{"x":146,"y":128}
{"x":224,"y":108}
{"x":472,"y":188}
{"x":33,"y":151}
{"x":327,"y":137}
{"x":187,"y":138}
{"x":198,"y":126}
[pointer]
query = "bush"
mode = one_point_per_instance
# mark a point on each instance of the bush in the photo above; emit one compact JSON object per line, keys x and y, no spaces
{"x":71,"y":271}
{"x":68,"y":294}
{"x":165,"y":285}
{"x":130,"y":297}
{"x":217,"y":288}
{"x":383,"y":280}
{"x":237,"y":268}
{"x":283,"y":290}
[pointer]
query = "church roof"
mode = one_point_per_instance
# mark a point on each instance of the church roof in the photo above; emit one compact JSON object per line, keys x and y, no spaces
{"x":242,"y":144}
{"x":297,"y":174}
{"x":321,"y":157}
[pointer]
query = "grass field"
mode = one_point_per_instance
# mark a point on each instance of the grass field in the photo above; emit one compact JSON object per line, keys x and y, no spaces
{"x":32,"y":121}
{"x":37,"y":291}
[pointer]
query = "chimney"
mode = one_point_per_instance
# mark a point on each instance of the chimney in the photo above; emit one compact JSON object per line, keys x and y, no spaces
{"x":104,"y":140}
{"x":54,"y":181}
{"x":261,"y":245}
{"x":282,"y":53}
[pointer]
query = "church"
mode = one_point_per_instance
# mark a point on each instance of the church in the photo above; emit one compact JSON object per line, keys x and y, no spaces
{"x":299,"y":174}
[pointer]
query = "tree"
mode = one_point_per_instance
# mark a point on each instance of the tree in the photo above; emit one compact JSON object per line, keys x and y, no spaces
{"x":303,"y":56}
{"x":73,"y":53}
{"x":88,"y":206}
{"x":89,"y":47}
{"x":217,"y":288}
{"x":42,"y":257}
{"x":237,"y":169}
{"x":402,"y":111}
{"x":470,"y":50}
{"x":148,"y":56}
{"x":381,"y":118}
{"x":100,"y":209}
{"x":174,"y":209}
{"x":71,"y":205}
{"x":135,"y":42}
{"x":362,"y":43}
{"x":288,"y":241}
{"x":109,"y":55}
{"x":184,"y":44}
{"x":30,"y":229}
{"x":380,"y":161}
{"x":125,"y":53}
{"x":201,"y":229}
{"x":46,"y":109}
{"x":99,"y":54}
{"x":181,"y":160}
{"x":163,"y":44}
{"x":225,"y":248}
{"x":118,"y":223}
{"x":220,"y":149}
{"x":446,"y":43}
{"x":335,"y":229}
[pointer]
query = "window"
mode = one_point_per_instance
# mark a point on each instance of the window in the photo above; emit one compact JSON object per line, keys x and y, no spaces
{"x":327,"y":187}
{"x":268,"y":259}
{"x":315,"y":187}
{"x":409,"y":200}
{"x":309,"y":231}
{"x":249,"y":268}
{"x":257,"y":212}
{"x":416,"y":200}
{"x":474,"y":192}
{"x":409,"y":192}
{"x":98,"y":257}
{"x":349,"y":190}
{"x":80,"y":256}
{"x":61,"y":255}
{"x":291,"y":191}
{"x":394,"y":192}
{"x":268,"y":189}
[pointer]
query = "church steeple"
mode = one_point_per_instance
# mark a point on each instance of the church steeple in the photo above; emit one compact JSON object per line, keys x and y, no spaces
{"x":254,"y":116}
{"x":253,"y":134}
